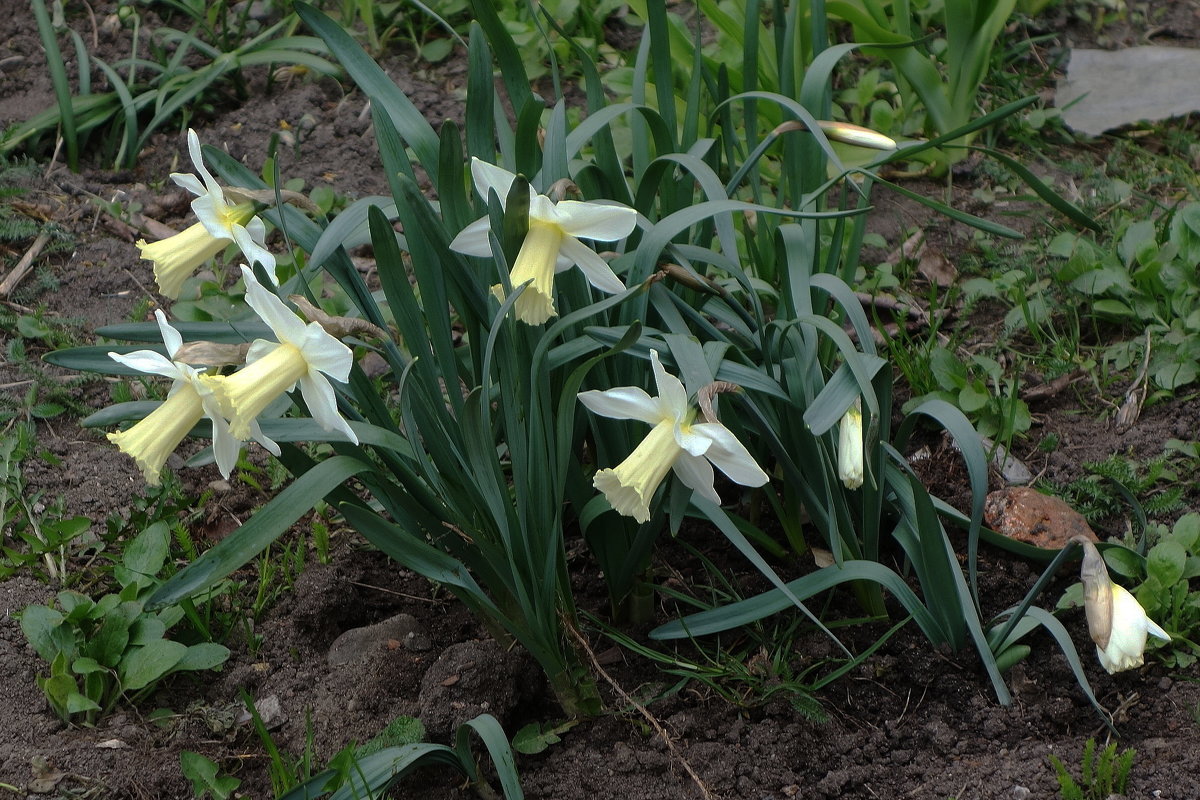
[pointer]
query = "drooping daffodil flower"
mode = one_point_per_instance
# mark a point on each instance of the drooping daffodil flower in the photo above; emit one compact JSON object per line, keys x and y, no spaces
{"x":190,"y":399}
{"x":1117,"y":622}
{"x":850,"y":447}
{"x":177,"y":257}
{"x":304,"y":354}
{"x":552,"y":243}
{"x":675,"y":442}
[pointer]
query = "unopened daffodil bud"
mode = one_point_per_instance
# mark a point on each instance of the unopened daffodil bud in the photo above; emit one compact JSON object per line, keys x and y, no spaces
{"x":850,"y":447}
{"x":1117,"y":623}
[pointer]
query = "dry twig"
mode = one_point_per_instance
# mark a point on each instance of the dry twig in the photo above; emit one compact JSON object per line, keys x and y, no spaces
{"x":24,"y":265}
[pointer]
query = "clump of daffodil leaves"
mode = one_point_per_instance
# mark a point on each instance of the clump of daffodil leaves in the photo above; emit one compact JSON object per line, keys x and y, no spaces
{"x":514,"y":404}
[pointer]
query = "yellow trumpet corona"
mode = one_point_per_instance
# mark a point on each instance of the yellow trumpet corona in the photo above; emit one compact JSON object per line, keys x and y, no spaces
{"x":155,"y":437}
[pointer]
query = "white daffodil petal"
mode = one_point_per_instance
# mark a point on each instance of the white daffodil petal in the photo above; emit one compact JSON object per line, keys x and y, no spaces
{"x":198,"y":162}
{"x":597,"y":221}
{"x":325,"y":353}
{"x":731,"y":456}
{"x":212,"y":215}
{"x":286,"y":326}
{"x":624,"y":402}
{"x":671,"y":393}
{"x":149,"y":362}
{"x":474,"y":240}
{"x":1157,"y":632}
{"x":265,"y":442}
{"x":322,"y":404}
{"x":542,"y":209}
{"x":259,"y":348}
{"x":697,"y":474}
{"x":225,"y":447}
{"x":489,"y":177}
{"x":253,"y":251}
{"x":170,"y":336}
{"x":593,"y":267}
{"x":691,"y":440}
{"x":190,"y":182}
{"x":258,"y":233}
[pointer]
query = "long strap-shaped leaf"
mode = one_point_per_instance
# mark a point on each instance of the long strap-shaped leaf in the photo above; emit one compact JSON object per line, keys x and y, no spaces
{"x":378,"y":86}
{"x":258,"y":532}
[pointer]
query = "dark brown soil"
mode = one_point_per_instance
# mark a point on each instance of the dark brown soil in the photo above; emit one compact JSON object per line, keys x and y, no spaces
{"x":909,"y":722}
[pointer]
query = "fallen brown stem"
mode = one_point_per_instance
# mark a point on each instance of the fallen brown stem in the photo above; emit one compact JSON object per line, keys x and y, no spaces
{"x":24,"y":265}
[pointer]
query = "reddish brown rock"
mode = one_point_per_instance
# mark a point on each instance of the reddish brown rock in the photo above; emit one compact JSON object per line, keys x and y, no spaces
{"x":1029,"y":516}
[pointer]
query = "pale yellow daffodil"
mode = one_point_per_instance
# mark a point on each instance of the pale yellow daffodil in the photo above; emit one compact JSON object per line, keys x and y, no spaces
{"x":303,"y":354}
{"x":551,"y":244}
{"x":191,"y":398}
{"x":675,"y":442}
{"x":176,"y":258}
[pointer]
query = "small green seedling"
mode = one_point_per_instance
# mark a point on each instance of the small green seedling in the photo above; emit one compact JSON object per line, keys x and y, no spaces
{"x":205,"y":777}
{"x":101,"y":650}
{"x":1101,"y":776}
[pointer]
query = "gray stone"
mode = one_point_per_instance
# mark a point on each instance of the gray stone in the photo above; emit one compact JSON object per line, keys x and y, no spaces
{"x":473,"y":678}
{"x":361,"y":644}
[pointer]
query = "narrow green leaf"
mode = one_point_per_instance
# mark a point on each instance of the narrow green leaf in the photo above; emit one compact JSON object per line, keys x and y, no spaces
{"x":267,"y":524}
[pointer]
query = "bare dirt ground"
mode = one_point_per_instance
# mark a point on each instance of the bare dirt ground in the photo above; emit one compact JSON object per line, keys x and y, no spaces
{"x":910,"y":722}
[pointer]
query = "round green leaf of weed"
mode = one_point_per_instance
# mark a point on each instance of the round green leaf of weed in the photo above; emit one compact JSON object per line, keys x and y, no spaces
{"x":1010,"y":657}
{"x":1187,"y":531}
{"x":1124,"y":562}
{"x":38,"y":624}
{"x":1113,"y":309}
{"x":78,"y":704}
{"x":149,"y":663}
{"x":531,"y":739}
{"x":146,"y":630}
{"x":437,"y":49}
{"x":972,"y":399}
{"x":205,"y":655}
{"x":82,"y":666}
{"x":947,"y":370}
{"x":1071,"y":598}
{"x":1165,"y":562}
{"x":32,"y":328}
{"x":144,"y":556}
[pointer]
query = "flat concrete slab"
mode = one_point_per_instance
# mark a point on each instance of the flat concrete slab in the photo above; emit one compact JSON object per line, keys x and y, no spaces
{"x":1106,"y":89}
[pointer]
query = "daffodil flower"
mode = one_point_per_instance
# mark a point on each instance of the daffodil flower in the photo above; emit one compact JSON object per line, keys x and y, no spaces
{"x":189,"y":400}
{"x":675,"y":442}
{"x":1117,"y":622}
{"x":303,"y":354}
{"x":552,"y":243}
{"x":850,"y":447}
{"x":177,"y":257}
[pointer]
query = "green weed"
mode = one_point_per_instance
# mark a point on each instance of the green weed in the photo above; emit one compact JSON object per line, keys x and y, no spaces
{"x":1101,"y":775}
